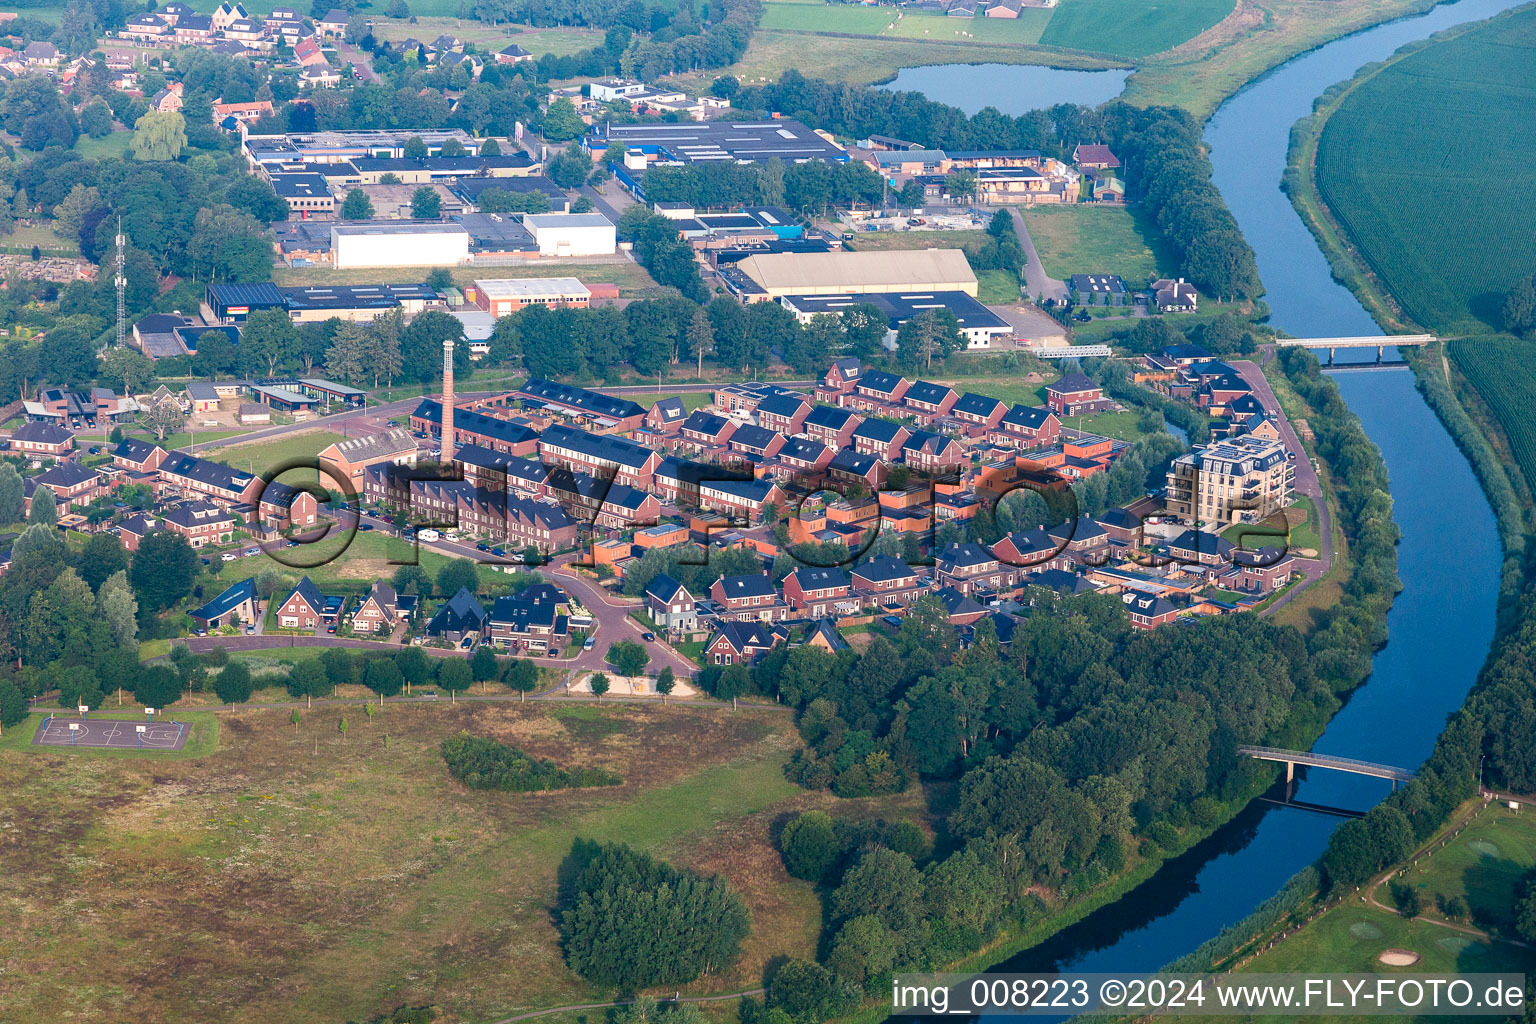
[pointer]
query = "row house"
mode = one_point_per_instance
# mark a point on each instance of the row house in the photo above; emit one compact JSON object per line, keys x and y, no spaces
{"x":831,"y":426}
{"x":602,"y":455}
{"x":979,"y":413}
{"x":618,"y":415}
{"x":477,"y":428}
{"x":881,"y":438}
{"x":877,"y":390}
{"x":805,"y":458}
{"x":742,"y":643}
{"x":850,"y":467}
{"x":743,"y":399}
{"x":603,"y":503}
{"x":704,"y":428}
{"x":784,"y":413}
{"x":747,"y":598}
{"x":887,"y":581}
{"x":820,"y":592}
{"x":970,"y":567}
{"x":670,"y":605}
{"x":842,"y":376}
{"x":541,"y":524}
{"x":1264,"y":570}
{"x":1026,"y":426}
{"x":677,"y":480}
{"x":1033,"y":549}
{"x":666,"y":416}
{"x":71,"y":483}
{"x":133,"y":529}
{"x":743,"y":498}
{"x":212,"y":480}
{"x":1083,"y":540}
{"x":927,"y":401}
{"x":283,"y":506}
{"x":381,"y":609}
{"x":757,"y":442}
{"x":498,"y":471}
{"x":932,"y":453}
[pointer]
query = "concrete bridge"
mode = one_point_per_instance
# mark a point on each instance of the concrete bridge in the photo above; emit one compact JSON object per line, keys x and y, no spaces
{"x":1378,"y":342}
{"x":1292,"y":758}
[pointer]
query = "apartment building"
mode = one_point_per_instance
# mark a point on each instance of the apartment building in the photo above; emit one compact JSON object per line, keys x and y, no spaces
{"x":1243,"y":479}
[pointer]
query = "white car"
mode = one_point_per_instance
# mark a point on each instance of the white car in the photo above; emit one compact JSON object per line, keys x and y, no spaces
{"x":229,"y":556}
{"x":451,"y":535}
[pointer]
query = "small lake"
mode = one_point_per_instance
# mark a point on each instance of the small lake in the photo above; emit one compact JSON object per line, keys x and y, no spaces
{"x":1012,"y":88}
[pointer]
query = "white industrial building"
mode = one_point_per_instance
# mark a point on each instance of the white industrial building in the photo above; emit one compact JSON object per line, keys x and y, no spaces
{"x":572,"y":234}
{"x":398,"y":244}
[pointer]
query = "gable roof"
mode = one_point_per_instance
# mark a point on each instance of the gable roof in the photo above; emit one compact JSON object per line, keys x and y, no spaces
{"x":883,"y":431}
{"x":664,"y":588}
{"x":879,"y":381}
{"x":708,"y":423}
{"x":966,"y":555}
{"x":1072,"y":384}
{"x":973,"y":404}
{"x":884,"y":569}
{"x":927,"y":392}
{"x":226,"y":602}
{"x":828,"y":416}
{"x":818,"y":578}
{"x":827,"y":630}
{"x":670,"y":408}
{"x":461,"y":613}
{"x":310,"y":593}
{"x":743,"y":636}
{"x":66,"y":474}
{"x":1030,"y":417}
{"x":782,"y":405}
{"x":38,"y":432}
{"x":736,"y":587}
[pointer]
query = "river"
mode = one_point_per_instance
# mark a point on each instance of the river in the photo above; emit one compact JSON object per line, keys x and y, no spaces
{"x":1441,"y":625}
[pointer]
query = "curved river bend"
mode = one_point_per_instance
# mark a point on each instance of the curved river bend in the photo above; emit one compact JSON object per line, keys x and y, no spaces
{"x":1442,"y":622}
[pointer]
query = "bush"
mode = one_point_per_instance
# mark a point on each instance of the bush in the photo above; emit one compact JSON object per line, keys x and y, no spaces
{"x":810,"y":846}
{"x":1164,"y":834}
{"x":482,"y":763}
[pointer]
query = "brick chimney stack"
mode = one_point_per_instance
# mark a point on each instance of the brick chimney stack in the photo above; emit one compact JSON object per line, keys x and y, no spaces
{"x":447,"y":446}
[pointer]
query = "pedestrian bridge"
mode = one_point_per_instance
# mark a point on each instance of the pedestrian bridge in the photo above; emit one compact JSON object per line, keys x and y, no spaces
{"x":1292,"y":758}
{"x":1379,"y":342}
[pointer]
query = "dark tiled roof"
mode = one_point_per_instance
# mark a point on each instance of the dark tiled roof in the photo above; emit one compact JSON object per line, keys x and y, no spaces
{"x":884,"y":569}
{"x":1073,"y":383}
{"x":1031,"y":417}
{"x":226,"y":602}
{"x":758,"y":585}
{"x":927,"y":392}
{"x":828,"y":416}
{"x":883,"y":431}
{"x":976,"y":405}
{"x":580,"y":398}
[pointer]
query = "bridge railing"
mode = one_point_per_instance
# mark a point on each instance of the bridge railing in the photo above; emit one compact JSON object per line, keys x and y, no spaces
{"x":1357,"y":342}
{"x":1327,"y":761}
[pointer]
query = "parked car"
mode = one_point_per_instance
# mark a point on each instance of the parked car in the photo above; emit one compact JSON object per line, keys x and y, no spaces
{"x":467,"y":642}
{"x":482,"y":546}
{"x":248,"y":552}
{"x":648,"y":637}
{"x":229,"y":556}
{"x":250,"y":630}
{"x":498,"y":552}
{"x":450,"y":535}
{"x":365,"y":527}
{"x":331,"y":628}
{"x":590,"y":643}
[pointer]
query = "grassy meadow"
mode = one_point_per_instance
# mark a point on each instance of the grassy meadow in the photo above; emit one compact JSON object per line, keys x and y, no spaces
{"x":1401,"y":167}
{"x":310,"y":875}
{"x":1130,"y":28}
{"x":1089,"y":238}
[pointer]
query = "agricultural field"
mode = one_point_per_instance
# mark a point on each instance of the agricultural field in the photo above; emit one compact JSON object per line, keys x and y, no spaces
{"x":328,"y":876}
{"x":889,"y":23}
{"x":1089,"y":238}
{"x":1480,"y":867}
{"x":435,"y":17}
{"x":1398,"y":169}
{"x":1130,"y":28}
{"x":1503,"y":370}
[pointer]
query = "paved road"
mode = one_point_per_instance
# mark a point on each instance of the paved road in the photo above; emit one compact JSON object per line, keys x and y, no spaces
{"x":1036,"y":282}
{"x":1307,"y":481}
{"x":358,"y":59}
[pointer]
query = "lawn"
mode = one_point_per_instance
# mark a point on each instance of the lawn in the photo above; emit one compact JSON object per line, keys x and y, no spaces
{"x":1090,"y":238}
{"x":1481,"y":866}
{"x":23,"y":237}
{"x":322,"y":876}
{"x":1394,"y":131}
{"x":1121,"y":425}
{"x":343,"y":563}
{"x":112,"y":145}
{"x":435,"y":18}
{"x":1012,"y":390}
{"x":1130,"y":28}
{"x":691,"y":399}
{"x":179,"y":440}
{"x":260,"y":456}
{"x":629,"y":276}
{"x":997,"y":288}
{"x":885,"y":241}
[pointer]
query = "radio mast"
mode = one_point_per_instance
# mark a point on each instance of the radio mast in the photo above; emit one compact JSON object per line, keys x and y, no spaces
{"x":122,"y":284}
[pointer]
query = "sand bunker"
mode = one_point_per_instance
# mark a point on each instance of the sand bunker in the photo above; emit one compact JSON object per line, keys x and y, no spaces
{"x":1399,"y":957}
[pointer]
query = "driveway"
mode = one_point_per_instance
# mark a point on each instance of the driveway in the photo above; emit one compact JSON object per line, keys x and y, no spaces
{"x":358,"y":59}
{"x":1036,"y":283}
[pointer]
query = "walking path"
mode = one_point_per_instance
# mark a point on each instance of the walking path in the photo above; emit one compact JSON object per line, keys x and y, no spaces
{"x":1036,"y":282}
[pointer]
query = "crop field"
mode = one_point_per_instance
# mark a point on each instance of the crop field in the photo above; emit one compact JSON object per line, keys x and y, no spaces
{"x":1131,"y":28}
{"x":1503,"y":370}
{"x":1403,"y":166}
{"x":893,"y":24}
{"x":312,"y":875}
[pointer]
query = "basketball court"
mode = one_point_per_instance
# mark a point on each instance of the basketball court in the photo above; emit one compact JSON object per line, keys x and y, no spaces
{"x":109,"y":732}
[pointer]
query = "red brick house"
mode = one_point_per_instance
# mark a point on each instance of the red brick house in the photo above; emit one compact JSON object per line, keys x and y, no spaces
{"x":784,"y":413}
{"x":981,"y":411}
{"x":42,"y":440}
{"x":742,"y":643}
{"x":831,"y":426}
{"x":1148,"y":611}
{"x":1263,"y":570}
{"x":887,"y":581}
{"x":877,"y":391}
{"x":382,"y":609}
{"x":71,"y":483}
{"x":669,"y":604}
{"x":757,"y":441}
{"x":283,"y":506}
{"x":1026,"y":426}
{"x":138,"y":456}
{"x":666,"y":416}
{"x":201,"y":522}
{"x":1075,"y":394}
{"x":928,"y":401}
{"x":969,"y":567}
{"x":820,"y":593}
{"x":932,"y":453}
{"x":880,"y":438}
{"x":302,"y":608}
{"x":747,"y":597}
{"x":704,"y":428}
{"x":842,"y":375}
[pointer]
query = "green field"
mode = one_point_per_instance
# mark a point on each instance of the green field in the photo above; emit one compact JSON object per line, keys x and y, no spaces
{"x":325,"y":877}
{"x":115,"y":144}
{"x":435,"y":17}
{"x":1092,"y":239}
{"x":889,"y":23}
{"x":1503,"y":370}
{"x":1401,"y":168}
{"x":997,"y":287}
{"x":260,"y":456}
{"x":1131,"y":28}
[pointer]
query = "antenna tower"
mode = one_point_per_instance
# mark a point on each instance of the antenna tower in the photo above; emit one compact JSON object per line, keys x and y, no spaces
{"x":122,"y":284}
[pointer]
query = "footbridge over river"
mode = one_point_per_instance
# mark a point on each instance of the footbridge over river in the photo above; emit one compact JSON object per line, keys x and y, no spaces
{"x":1379,"y":342}
{"x":1292,"y":758}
